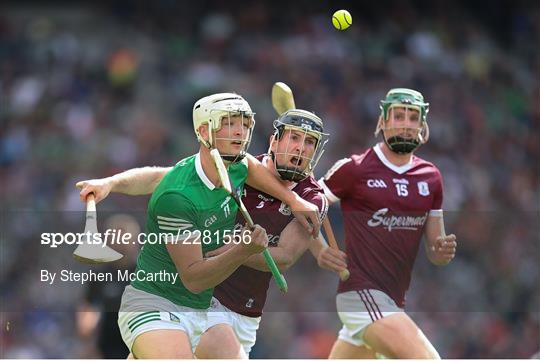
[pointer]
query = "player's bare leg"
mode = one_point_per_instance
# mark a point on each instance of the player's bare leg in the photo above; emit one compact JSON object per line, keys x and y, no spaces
{"x":345,"y":350}
{"x":220,"y":342}
{"x":169,"y":344}
{"x":397,"y":336}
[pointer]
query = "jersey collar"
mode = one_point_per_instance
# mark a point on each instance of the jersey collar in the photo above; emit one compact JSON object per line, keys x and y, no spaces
{"x":400,"y":170}
{"x":201,"y":174}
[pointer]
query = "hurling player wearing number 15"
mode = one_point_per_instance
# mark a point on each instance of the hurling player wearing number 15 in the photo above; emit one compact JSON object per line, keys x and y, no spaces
{"x":389,"y":198}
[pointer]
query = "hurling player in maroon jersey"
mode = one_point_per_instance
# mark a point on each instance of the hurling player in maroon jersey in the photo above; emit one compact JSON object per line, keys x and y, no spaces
{"x":295,"y":148}
{"x":389,"y":198}
{"x":235,"y":313}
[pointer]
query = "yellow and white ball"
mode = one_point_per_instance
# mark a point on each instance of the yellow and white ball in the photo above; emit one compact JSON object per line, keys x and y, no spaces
{"x":342,"y":19}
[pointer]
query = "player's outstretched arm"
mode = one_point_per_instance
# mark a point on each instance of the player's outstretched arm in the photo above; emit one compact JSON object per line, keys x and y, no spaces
{"x":328,"y":258}
{"x":199,"y":274}
{"x":136,"y":181}
{"x":440,"y":248}
{"x":263,"y":180}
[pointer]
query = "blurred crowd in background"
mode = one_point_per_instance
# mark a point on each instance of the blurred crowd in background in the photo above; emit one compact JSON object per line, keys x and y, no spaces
{"x":87,"y":91}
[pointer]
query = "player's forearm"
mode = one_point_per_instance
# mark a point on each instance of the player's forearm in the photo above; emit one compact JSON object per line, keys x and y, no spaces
{"x":210,"y":272}
{"x":263,"y":180}
{"x":138,"y":181}
{"x":317,"y":246}
{"x":294,"y":241}
{"x":435,"y":229}
{"x":282,"y":258}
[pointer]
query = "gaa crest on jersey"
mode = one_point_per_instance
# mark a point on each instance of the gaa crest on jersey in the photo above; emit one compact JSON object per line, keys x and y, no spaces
{"x":209,"y":221}
{"x":423,"y":189}
{"x":284,"y":209}
{"x":376,"y":183}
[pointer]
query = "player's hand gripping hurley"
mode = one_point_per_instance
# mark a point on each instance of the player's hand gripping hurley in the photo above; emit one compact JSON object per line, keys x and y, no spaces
{"x":343,"y":275}
{"x":226,"y":184}
{"x":283,"y":100}
{"x":93,"y":251}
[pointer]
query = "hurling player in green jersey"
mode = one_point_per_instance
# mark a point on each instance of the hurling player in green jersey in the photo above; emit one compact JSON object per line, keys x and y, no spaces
{"x":189,"y":214}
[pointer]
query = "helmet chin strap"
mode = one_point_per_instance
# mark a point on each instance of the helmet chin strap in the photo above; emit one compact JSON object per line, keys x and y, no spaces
{"x":401,"y":145}
{"x":290,"y":174}
{"x":233,"y":158}
{"x":286,"y":173}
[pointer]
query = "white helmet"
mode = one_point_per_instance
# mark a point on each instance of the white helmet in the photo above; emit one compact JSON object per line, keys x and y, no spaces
{"x":212,"y":109}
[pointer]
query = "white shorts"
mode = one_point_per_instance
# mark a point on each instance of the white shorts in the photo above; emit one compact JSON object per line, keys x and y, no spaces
{"x":245,"y":327}
{"x":142,"y":311}
{"x":359,"y":309}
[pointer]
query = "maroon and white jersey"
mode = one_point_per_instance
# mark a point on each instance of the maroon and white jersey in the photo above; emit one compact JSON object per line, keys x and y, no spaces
{"x":385,"y":208}
{"x":244,"y":291}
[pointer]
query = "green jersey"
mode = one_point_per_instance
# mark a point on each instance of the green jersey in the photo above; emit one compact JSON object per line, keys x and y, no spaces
{"x":186,"y":207}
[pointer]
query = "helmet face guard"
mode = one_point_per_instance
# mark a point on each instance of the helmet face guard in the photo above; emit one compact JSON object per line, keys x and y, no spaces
{"x":221,"y":112}
{"x":399,"y":111}
{"x":297,"y":133}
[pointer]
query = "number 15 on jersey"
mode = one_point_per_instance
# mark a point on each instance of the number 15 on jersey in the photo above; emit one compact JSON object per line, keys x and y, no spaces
{"x":402,"y":190}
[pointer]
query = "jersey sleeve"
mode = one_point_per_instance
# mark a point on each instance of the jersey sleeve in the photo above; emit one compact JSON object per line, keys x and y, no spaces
{"x":316,"y":197}
{"x":175,"y":214}
{"x":339,"y":179}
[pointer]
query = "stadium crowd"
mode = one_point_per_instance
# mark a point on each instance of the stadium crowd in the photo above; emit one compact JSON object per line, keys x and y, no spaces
{"x":88,"y":91}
